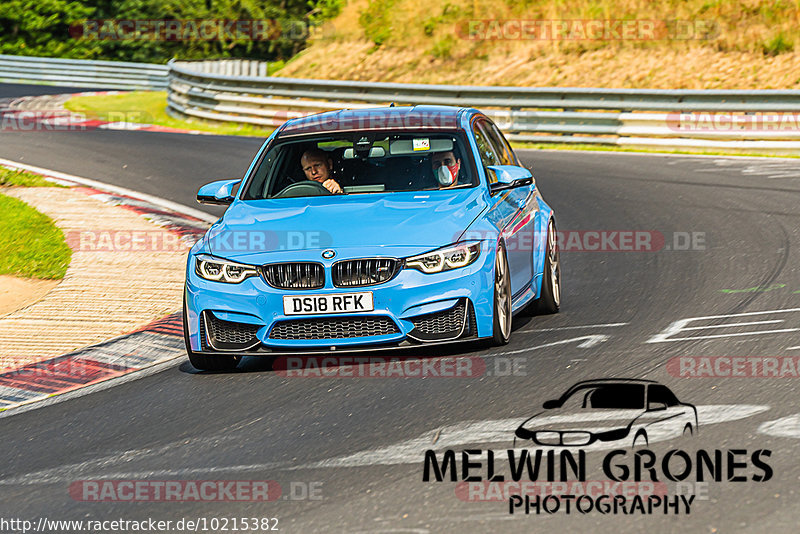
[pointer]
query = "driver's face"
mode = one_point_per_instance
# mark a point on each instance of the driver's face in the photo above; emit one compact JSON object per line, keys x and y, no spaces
{"x":317,"y":168}
{"x":448,"y":159}
{"x":444,"y":158}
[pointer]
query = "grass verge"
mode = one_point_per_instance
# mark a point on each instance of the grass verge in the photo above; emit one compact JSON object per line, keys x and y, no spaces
{"x":31,"y":245}
{"x":150,"y":107}
{"x":11,"y":177}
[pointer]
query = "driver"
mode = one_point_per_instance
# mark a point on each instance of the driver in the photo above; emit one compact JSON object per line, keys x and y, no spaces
{"x":317,"y":166}
{"x":445,"y":168}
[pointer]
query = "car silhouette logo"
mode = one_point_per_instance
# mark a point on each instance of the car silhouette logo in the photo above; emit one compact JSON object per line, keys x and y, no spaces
{"x":328,"y":254}
{"x":630,"y":412}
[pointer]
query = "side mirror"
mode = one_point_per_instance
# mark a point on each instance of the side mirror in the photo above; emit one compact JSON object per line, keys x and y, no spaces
{"x":508,"y":177}
{"x":221,"y":192}
{"x":549,"y":405}
{"x":656,"y":406}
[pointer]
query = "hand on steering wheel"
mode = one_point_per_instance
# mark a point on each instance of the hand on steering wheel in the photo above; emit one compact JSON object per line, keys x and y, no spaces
{"x":307,"y":188}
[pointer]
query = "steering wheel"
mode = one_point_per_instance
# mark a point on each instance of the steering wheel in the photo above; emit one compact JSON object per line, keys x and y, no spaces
{"x":307,"y":188}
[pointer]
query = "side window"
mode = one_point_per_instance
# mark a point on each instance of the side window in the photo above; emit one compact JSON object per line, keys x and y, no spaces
{"x":506,"y":155}
{"x":486,"y":150}
{"x":659,"y":393}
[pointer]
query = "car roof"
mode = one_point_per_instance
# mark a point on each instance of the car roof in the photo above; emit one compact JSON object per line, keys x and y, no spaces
{"x":612,"y":382}
{"x":412,"y":118}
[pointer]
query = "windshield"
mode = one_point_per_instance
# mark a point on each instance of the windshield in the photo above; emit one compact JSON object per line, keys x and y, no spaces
{"x":362,"y":163}
{"x":608,"y":396}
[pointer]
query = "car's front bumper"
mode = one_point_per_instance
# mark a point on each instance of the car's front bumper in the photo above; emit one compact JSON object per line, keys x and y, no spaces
{"x":401,"y":307}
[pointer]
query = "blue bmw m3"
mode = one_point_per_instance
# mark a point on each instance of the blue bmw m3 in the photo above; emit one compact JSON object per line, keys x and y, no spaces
{"x":371,"y":229}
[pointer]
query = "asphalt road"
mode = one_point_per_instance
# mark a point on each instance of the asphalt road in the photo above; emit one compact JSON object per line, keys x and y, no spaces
{"x":359,"y":442}
{"x":13,"y":90}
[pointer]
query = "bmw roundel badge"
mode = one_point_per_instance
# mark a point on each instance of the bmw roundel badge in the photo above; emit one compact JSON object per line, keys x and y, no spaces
{"x":328,"y":254}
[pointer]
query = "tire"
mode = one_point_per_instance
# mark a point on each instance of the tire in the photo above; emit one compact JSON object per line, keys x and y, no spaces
{"x":206,"y":362}
{"x":501,"y":317}
{"x":550,"y":299}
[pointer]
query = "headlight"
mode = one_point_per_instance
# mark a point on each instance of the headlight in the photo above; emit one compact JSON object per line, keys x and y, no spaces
{"x":576,"y":438}
{"x":444,"y":259}
{"x":548,"y":438}
{"x":220,"y":270}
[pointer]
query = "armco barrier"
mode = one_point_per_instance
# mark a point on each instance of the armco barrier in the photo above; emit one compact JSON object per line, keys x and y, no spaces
{"x":83,"y":73}
{"x":766,"y":120}
{"x":240,"y":91}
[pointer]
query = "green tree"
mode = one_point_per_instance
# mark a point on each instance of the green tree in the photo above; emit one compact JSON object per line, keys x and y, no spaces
{"x":41,"y":28}
{"x":30,"y":28}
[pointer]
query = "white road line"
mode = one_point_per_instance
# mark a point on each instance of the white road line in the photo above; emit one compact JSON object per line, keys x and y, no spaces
{"x":794,"y":348}
{"x":97,"y":467}
{"x":732,"y":324}
{"x":587,"y":342}
{"x":405,"y":452}
{"x":681,"y":325}
{"x":162,"y":202}
{"x":502,"y":431}
{"x":68,"y":474}
{"x":736,"y":334}
{"x":606,"y":325}
{"x":785,"y":427}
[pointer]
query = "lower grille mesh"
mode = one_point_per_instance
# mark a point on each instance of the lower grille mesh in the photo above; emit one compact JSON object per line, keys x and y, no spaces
{"x":334,"y":328}
{"x":445,"y":322}
{"x":230,"y":335}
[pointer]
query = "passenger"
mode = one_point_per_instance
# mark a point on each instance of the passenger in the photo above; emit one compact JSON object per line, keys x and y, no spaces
{"x":318,"y":166}
{"x":446,"y":167}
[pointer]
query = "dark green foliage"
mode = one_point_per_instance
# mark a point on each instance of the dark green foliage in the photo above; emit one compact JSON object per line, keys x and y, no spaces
{"x":58,"y":28}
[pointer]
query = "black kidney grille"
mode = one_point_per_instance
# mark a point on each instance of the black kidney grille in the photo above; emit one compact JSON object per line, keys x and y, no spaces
{"x":300,"y":275}
{"x":364,"y":272}
{"x":333,"y":328}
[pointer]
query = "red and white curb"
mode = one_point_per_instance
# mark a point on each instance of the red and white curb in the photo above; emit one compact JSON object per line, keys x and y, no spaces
{"x":158,"y":342}
{"x":47,"y":113}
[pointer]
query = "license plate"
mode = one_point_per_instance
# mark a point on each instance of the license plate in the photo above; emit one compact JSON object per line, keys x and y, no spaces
{"x":322,"y":304}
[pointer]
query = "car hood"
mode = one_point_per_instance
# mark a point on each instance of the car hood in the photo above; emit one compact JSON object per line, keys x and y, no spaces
{"x":427,"y":220}
{"x":589,"y":420}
